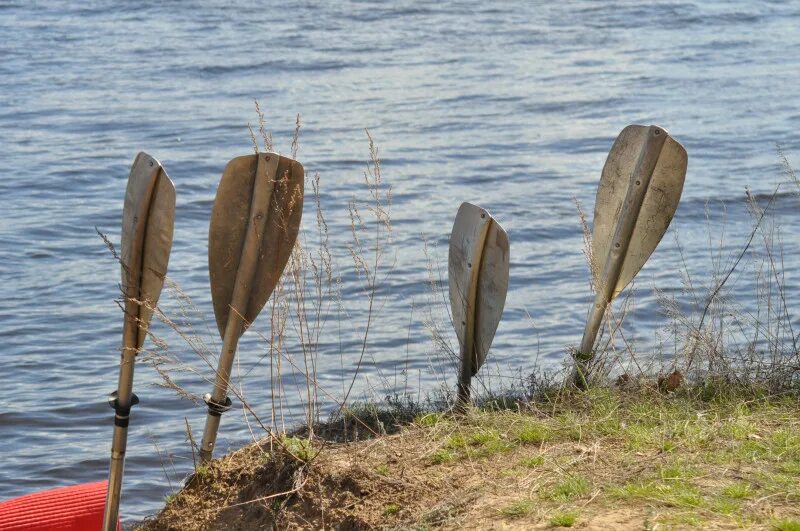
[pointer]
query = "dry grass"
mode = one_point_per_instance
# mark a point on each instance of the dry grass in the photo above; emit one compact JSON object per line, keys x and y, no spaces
{"x":604,"y":459}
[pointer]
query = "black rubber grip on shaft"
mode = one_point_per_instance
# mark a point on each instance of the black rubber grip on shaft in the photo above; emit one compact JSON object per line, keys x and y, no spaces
{"x":121,"y":414}
{"x":214,"y":408}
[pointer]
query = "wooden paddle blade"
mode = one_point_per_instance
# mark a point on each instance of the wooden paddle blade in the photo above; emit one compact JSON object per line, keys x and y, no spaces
{"x":141,"y":181}
{"x":466,"y":242}
{"x":230,"y":218}
{"x":492,"y":290}
{"x":157,"y":248}
{"x":660,"y":201}
{"x":478,"y":280}
{"x":148,"y":217}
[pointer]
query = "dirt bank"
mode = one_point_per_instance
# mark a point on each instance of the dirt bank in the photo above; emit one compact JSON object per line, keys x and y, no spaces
{"x":604,"y":460}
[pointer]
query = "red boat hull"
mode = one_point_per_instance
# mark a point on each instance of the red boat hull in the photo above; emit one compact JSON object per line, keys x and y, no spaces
{"x":77,"y":508}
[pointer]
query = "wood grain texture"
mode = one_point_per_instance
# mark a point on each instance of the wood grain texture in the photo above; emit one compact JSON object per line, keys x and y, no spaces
{"x":662,"y":185}
{"x":157,"y":248}
{"x":148,"y":218}
{"x":233,"y":210}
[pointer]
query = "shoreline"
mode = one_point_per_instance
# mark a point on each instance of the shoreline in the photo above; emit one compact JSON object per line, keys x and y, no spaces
{"x":720,"y":457}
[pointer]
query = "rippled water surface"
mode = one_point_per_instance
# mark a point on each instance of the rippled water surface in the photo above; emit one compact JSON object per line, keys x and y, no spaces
{"x":511,"y":105}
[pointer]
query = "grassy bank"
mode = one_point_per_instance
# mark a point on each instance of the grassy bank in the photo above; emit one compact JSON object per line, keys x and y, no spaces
{"x":718,"y":452}
{"x":709,"y":457}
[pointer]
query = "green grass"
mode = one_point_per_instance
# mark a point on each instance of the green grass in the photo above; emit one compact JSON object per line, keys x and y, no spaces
{"x":533,"y":433}
{"x":518,"y":509}
{"x":299,"y":447}
{"x":568,"y":489}
{"x":533,"y":462}
{"x":786,"y":525}
{"x":677,"y":470}
{"x":571,"y":427}
{"x":391,"y":509}
{"x":427,"y":420}
{"x":681,"y":520}
{"x":681,"y":440}
{"x":382,"y":470}
{"x":738,"y":491}
{"x":669,"y":493}
{"x":726,"y":506}
{"x":791,"y":467}
{"x":442,"y":456}
{"x":481,"y":442}
{"x":564,"y":519}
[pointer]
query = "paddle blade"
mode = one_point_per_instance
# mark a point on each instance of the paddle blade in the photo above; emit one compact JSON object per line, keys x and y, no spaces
{"x":229,"y":222}
{"x":148,"y":218}
{"x":478,"y":266}
{"x":492,"y":290}
{"x":157,"y":248}
{"x":660,"y":201}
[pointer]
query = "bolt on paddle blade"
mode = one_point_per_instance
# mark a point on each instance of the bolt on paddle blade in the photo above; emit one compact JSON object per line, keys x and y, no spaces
{"x":478,"y":265}
{"x":233,"y":210}
{"x":148,"y":219}
{"x":663,"y":186}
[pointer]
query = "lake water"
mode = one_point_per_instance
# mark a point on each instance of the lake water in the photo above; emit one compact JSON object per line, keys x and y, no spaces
{"x":510,"y":105}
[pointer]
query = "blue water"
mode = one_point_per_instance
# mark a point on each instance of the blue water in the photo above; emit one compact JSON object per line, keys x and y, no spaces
{"x":510,"y":105}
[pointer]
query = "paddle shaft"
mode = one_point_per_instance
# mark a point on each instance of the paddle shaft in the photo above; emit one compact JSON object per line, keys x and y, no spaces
{"x":257,"y":222}
{"x":233,"y":330}
{"x":124,"y":399}
{"x":469,"y":361}
{"x":464,"y":379}
{"x":629,"y":214}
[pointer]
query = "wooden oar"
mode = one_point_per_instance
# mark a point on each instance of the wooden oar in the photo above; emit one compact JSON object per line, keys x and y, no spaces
{"x":638,"y":194}
{"x":254,"y":225}
{"x":478,"y":277}
{"x":148,"y":218}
